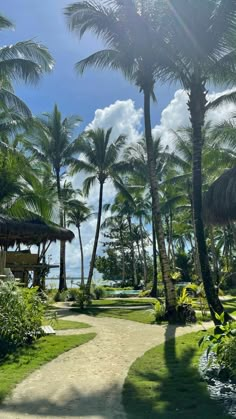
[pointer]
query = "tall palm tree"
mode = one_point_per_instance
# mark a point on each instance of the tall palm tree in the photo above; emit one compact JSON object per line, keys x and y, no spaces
{"x":117,"y":223}
{"x":136,"y":155}
{"x":131,"y":47}
{"x":200,"y":48}
{"x":27,"y":61}
{"x":78,"y":213}
{"x":124,"y":208}
{"x":50,"y":141}
{"x":101,"y":163}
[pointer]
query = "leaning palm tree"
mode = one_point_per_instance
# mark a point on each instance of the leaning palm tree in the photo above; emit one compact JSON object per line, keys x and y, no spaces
{"x":101,"y":162}
{"x":50,"y":141}
{"x":78,"y":213}
{"x":131,"y":47}
{"x":25,"y":61}
{"x":200,"y":48}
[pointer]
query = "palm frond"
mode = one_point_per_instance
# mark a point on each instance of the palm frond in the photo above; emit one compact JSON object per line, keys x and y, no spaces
{"x":221,"y":100}
{"x":14,"y":102}
{"x":5,"y":23}
{"x":88,"y":183}
{"x":29,"y":51}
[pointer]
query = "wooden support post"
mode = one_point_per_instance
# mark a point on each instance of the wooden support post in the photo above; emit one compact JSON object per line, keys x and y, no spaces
{"x":2,"y":261}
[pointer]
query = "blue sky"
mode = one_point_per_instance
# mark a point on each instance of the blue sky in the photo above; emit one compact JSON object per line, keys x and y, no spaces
{"x":44,"y":22}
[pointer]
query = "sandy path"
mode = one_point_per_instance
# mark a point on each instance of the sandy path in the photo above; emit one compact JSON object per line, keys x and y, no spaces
{"x":86,"y":382}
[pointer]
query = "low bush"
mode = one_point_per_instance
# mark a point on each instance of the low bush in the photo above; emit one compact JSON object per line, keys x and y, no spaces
{"x":158,"y":311}
{"x":72,"y":294}
{"x":21,"y":314}
{"x":60,"y":296}
{"x":227,"y":357}
{"x":83,"y":299}
{"x":99,"y":292}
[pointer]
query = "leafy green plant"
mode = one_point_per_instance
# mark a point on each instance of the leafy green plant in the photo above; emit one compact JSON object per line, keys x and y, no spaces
{"x":222,"y":335}
{"x":198,"y":292}
{"x":99,"y":292}
{"x":72,"y":294}
{"x":227,"y":357}
{"x":21,"y":313}
{"x":184,"y":297}
{"x":158,"y":311}
{"x":60,"y":296}
{"x":83,"y":299}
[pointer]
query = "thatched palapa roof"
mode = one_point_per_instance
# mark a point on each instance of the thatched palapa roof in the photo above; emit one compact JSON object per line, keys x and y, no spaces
{"x":219,"y":203}
{"x":33,"y":231}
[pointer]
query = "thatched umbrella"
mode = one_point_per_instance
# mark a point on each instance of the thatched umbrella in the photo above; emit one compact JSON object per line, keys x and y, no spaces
{"x":33,"y":231}
{"x":219,"y":204}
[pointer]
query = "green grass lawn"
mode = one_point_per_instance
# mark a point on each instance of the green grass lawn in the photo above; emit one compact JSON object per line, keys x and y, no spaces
{"x":142,"y":316}
{"x":230,"y":306}
{"x":65,"y":324}
{"x":137,"y":315}
{"x":165,"y":383}
{"x":15,"y":367}
{"x":124,"y":302}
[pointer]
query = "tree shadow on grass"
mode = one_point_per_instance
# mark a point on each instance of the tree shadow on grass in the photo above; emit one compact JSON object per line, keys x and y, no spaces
{"x":165,"y":384}
{"x":72,"y":404}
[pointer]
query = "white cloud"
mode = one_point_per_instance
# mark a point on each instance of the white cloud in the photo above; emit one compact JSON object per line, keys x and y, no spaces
{"x":176,"y":115}
{"x":122,"y":117}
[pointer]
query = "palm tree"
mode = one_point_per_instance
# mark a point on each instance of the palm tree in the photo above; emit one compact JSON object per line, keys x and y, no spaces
{"x":50,"y":141}
{"x":101,"y":163}
{"x":136,"y":154}
{"x":25,"y":61}
{"x":124,"y":208}
{"x":78,"y":213}
{"x":117,"y":223}
{"x":200,"y":48}
{"x":131,"y":48}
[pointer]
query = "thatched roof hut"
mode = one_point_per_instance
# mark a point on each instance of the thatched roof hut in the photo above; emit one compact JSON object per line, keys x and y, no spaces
{"x":219,"y":203}
{"x":33,"y":231}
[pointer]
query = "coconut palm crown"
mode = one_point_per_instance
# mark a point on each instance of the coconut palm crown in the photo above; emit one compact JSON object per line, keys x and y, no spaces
{"x":27,"y":61}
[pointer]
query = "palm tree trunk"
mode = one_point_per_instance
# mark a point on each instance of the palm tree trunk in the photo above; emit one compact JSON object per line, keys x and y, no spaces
{"x":143,"y":252}
{"x":123,"y":255}
{"x":135,"y":279}
{"x":170,"y":294}
{"x":214,"y":257}
{"x":95,"y":245}
{"x":153,"y":292}
{"x":195,"y":250}
{"x":81,"y":257}
{"x":197,"y":103}
{"x":62,"y":274}
{"x":171,"y":240}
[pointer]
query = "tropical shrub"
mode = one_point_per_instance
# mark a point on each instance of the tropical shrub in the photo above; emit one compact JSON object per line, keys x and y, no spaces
{"x":227,"y":357}
{"x":21,"y":313}
{"x":220,"y":338}
{"x":72,"y":294}
{"x":158,"y":311}
{"x":99,"y":292}
{"x":83,"y":299}
{"x":60,"y":296}
{"x":185,"y":311}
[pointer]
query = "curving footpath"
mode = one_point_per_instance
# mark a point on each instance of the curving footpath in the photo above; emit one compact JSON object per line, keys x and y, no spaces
{"x":87,"y":381}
